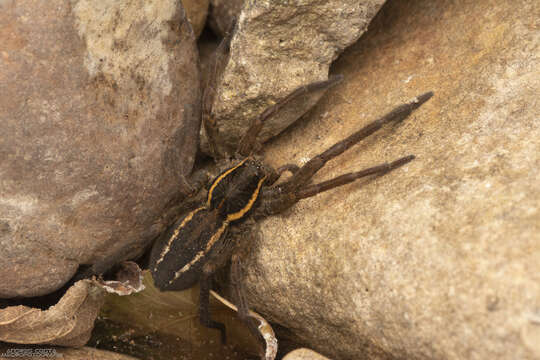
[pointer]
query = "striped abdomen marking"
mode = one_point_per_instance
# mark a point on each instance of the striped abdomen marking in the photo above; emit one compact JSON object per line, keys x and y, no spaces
{"x":185,"y":248}
{"x":179,"y":255}
{"x":174,"y":236}
{"x":203,"y":252}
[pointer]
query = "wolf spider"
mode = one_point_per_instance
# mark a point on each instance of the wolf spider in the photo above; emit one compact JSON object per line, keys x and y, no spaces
{"x":204,"y":240}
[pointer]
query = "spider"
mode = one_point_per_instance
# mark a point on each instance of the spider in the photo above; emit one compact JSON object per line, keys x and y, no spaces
{"x":214,"y":230}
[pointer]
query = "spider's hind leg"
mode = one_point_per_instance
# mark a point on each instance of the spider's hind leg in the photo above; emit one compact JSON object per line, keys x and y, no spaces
{"x":204,"y":307}
{"x":241,"y":301}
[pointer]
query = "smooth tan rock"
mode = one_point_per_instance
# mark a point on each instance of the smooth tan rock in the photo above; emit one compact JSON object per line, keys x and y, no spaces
{"x":304,"y":354}
{"x":439,"y":259}
{"x":276,"y":48}
{"x":99,"y":106}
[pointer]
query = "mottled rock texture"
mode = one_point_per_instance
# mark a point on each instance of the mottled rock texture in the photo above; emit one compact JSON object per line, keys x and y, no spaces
{"x":223,"y":13}
{"x":277,"y":47}
{"x":439,"y":259}
{"x":99,"y":106}
{"x":196,"y":11}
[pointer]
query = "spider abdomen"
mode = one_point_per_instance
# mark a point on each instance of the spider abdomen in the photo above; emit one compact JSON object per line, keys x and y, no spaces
{"x":180,"y":253}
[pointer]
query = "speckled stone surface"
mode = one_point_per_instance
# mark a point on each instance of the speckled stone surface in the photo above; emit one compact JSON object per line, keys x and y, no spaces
{"x":99,"y":106}
{"x":439,"y":259}
{"x":223,"y":13}
{"x":276,"y":48}
{"x":196,"y":12}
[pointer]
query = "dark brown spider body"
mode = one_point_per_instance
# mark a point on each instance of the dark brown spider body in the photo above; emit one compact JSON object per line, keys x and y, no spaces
{"x":179,"y":255}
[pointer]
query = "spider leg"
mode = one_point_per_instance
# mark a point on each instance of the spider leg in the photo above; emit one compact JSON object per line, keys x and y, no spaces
{"x":275,"y":201}
{"x":378,"y":170}
{"x":209,"y":123}
{"x":306,"y":172}
{"x":241,"y":301}
{"x":249,"y":140}
{"x":204,"y":305}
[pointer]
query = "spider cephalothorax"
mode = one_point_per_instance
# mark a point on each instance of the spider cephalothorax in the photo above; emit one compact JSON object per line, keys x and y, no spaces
{"x":207,"y":237}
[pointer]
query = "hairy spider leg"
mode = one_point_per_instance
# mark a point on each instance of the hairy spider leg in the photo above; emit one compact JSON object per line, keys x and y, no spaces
{"x":274,"y":175}
{"x":204,"y":305}
{"x":241,"y":301}
{"x":275,"y":201}
{"x":209,"y":123}
{"x":249,"y":141}
{"x":280,"y":197}
{"x":379,"y":170}
{"x":306,"y":172}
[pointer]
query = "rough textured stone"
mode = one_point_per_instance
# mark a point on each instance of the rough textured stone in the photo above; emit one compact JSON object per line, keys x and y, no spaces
{"x":441,"y":258}
{"x":99,"y":105}
{"x":196,"y":11}
{"x":277,"y":47}
{"x":222,"y":14}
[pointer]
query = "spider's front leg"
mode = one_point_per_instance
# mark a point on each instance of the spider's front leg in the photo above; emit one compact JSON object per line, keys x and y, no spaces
{"x":248,"y":143}
{"x":217,"y":150}
{"x":280,"y":197}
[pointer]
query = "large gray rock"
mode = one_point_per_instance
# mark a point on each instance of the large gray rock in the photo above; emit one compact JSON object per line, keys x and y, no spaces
{"x":277,"y":47}
{"x":99,"y":106}
{"x":439,"y":259}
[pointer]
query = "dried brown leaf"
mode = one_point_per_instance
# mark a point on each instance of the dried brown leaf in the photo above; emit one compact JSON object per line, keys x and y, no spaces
{"x":71,"y":320}
{"x":68,"y":323}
